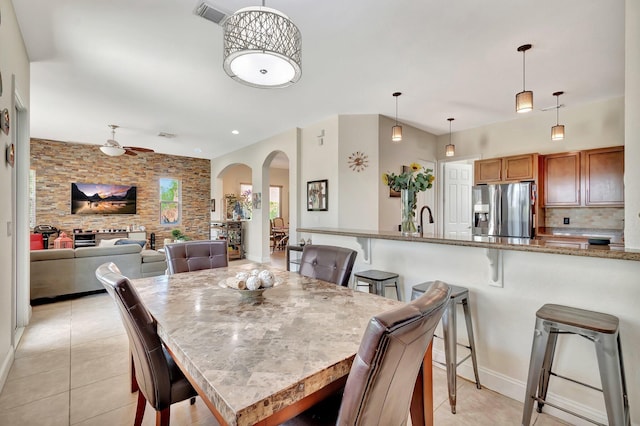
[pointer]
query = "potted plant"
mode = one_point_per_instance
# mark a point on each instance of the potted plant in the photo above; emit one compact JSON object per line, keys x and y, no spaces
{"x":178,"y":235}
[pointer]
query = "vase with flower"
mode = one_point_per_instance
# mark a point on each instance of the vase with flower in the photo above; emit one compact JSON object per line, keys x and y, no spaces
{"x":412,"y":180}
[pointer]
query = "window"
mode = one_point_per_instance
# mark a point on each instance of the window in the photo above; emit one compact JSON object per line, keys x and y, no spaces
{"x":32,"y":198}
{"x":170,"y":201}
{"x":275,"y":203}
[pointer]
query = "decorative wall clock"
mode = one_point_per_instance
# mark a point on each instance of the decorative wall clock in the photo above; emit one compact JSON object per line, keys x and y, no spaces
{"x":358,"y":161}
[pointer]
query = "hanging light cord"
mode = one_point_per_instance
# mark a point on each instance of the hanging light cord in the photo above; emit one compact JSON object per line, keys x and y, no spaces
{"x":557,"y":109}
{"x":524,"y":70}
{"x":396,"y":110}
{"x":450,"y":131}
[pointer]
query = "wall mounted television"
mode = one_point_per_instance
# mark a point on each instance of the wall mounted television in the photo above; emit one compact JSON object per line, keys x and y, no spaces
{"x":94,"y":198}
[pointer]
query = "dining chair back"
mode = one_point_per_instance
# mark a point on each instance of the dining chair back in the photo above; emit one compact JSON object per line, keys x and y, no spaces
{"x":196,"y":255}
{"x":328,"y":263}
{"x":379,"y":387}
{"x":278,"y":222}
{"x":159,"y":380}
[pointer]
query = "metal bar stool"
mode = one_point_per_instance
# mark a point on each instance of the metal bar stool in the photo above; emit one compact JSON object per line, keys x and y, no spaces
{"x":459,"y":295}
{"x":377,"y":281}
{"x":602,"y":330}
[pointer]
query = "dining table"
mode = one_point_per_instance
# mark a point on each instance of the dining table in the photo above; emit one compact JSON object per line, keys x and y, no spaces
{"x":263,"y":360}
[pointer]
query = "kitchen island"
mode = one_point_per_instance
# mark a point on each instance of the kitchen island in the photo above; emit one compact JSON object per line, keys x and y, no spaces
{"x":508,"y":281}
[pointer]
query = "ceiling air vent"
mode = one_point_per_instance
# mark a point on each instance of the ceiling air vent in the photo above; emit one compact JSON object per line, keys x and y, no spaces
{"x":210,"y":13}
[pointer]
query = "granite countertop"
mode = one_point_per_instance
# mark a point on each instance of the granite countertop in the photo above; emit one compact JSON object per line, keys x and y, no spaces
{"x":252,"y":358}
{"x":551,"y":243}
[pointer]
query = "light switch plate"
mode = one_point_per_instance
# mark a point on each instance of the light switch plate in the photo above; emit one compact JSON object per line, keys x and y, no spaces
{"x":9,"y":228}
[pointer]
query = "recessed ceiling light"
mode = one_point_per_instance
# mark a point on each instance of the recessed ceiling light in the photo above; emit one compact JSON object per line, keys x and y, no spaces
{"x":235,"y":132}
{"x":197,"y":150}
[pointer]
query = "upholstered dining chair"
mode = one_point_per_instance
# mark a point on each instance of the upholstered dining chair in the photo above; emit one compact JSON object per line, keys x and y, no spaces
{"x":328,"y":263}
{"x":159,"y":380}
{"x":379,"y":387}
{"x":196,"y":255}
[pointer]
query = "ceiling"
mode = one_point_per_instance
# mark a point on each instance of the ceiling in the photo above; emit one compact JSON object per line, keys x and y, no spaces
{"x":153,"y":66}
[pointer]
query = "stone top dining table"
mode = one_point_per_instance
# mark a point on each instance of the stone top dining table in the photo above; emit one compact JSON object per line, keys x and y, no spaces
{"x":260,"y":361}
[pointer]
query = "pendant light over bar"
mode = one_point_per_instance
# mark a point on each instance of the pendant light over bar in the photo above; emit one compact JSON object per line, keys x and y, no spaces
{"x":524,"y":99}
{"x":557,"y":131}
{"x":450,"y":150}
{"x":396,"y":131}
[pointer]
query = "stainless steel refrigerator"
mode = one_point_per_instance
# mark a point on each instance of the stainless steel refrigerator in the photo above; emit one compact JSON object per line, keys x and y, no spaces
{"x":504,"y":210}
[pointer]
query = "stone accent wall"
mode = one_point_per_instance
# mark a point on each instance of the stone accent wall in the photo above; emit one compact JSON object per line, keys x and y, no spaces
{"x":59,"y":164}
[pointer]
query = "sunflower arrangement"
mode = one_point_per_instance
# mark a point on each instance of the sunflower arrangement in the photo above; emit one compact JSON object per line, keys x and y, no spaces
{"x":416,"y":179}
{"x":409,"y":183}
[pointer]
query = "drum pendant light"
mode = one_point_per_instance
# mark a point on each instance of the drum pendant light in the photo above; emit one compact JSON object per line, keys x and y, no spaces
{"x":262,"y":48}
{"x":396,"y":131}
{"x":557,"y":131}
{"x":450,"y":150}
{"x":524,"y":99}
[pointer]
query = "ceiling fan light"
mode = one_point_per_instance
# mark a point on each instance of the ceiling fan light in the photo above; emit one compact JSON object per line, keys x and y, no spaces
{"x":524,"y":101}
{"x":557,"y":132}
{"x":450,"y":150}
{"x":112,"y":151}
{"x":262,"y":48}
{"x":396,"y":134}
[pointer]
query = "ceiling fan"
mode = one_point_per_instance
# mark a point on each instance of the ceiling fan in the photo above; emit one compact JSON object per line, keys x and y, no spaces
{"x":113,"y":148}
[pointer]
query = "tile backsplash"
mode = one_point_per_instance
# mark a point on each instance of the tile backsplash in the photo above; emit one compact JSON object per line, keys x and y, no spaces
{"x":585,"y":217}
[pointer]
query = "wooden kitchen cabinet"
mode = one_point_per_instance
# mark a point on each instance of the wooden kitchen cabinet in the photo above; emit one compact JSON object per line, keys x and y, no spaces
{"x":488,"y":171}
{"x":591,"y":178}
{"x":603,"y":171}
{"x":562,"y":179}
{"x":520,"y":167}
{"x":515,"y":168}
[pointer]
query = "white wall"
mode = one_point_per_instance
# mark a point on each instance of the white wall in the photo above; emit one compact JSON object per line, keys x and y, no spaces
{"x":14,"y":64}
{"x":416,"y":145}
{"x":258,"y":158}
{"x":632,"y":125}
{"x":318,"y":161}
{"x":593,"y":125}
{"x":358,"y":190}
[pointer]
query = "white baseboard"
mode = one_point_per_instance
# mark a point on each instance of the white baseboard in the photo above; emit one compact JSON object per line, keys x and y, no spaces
{"x":515,"y":389}
{"x":6,"y":366}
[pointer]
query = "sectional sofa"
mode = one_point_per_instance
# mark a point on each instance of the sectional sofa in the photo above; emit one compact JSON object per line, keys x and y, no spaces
{"x":65,"y":272}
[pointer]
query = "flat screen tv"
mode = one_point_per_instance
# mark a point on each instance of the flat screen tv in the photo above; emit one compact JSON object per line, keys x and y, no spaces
{"x":93,"y":198}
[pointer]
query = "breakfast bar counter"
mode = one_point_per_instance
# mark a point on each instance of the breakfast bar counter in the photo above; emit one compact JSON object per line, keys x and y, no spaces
{"x":509,"y":280}
{"x":556,"y":243}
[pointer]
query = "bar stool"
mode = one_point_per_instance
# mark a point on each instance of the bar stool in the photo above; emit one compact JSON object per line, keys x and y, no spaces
{"x":602,"y":330}
{"x":449,"y":328}
{"x":377,"y":281}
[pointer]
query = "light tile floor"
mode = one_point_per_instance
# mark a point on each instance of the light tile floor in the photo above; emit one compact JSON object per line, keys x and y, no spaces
{"x":71,"y":369}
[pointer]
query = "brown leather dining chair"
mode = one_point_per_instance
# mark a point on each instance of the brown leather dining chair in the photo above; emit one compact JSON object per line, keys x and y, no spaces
{"x":159,"y":380}
{"x":196,"y":255}
{"x":379,"y":387}
{"x":328,"y":263}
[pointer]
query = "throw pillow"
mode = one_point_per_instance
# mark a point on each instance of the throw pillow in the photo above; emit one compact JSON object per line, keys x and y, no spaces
{"x":109,"y":242}
{"x":123,"y":241}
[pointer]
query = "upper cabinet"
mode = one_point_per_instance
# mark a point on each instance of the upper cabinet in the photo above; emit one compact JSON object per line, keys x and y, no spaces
{"x":562,"y":179}
{"x":506,"y":169}
{"x":590,"y":178}
{"x":604,"y":177}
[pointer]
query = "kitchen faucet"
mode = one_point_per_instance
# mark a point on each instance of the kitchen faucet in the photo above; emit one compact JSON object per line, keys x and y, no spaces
{"x":421,"y":214}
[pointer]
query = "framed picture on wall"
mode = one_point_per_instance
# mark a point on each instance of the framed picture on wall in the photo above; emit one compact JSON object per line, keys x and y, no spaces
{"x":318,"y":195}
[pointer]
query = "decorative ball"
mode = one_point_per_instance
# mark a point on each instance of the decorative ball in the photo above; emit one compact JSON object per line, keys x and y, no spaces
{"x":242,"y":276}
{"x":268,"y":280}
{"x":255,"y":272}
{"x":254,"y":282}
